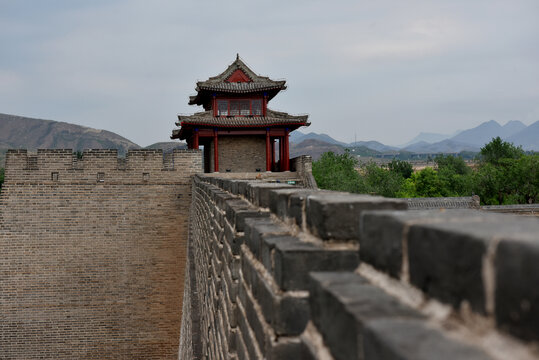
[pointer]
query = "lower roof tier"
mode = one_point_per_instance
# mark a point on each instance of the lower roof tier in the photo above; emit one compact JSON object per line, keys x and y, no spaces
{"x":206,"y":119}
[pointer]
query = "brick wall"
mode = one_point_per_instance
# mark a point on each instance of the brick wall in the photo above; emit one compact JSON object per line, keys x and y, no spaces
{"x":303,"y":166}
{"x":288,"y":273}
{"x":93,"y":269}
{"x":240,"y":153}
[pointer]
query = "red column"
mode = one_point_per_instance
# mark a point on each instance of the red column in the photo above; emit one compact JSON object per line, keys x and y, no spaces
{"x":286,"y":153}
{"x":268,"y":151}
{"x":215,"y":151}
{"x":272,"y":154}
{"x":281,"y":152}
{"x":195,"y":139}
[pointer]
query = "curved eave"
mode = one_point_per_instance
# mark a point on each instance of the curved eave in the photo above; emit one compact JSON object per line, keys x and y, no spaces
{"x":186,"y":125}
{"x":204,"y":93}
{"x":241,"y":87}
{"x":281,"y":124}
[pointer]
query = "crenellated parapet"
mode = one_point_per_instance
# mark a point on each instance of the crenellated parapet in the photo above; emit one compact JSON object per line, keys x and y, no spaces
{"x":282,"y":272}
{"x":63,"y":166}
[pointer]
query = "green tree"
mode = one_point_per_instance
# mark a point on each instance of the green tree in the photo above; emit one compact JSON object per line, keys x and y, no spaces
{"x":404,"y":168}
{"x":338,"y":172}
{"x":506,"y":175}
{"x":454,"y":175}
{"x":455,"y":164}
{"x":498,"y":149}
{"x":381,"y":181}
{"x":426,"y":183}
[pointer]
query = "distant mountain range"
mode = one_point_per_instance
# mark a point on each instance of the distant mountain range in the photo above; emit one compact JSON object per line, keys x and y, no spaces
{"x":297,"y":137}
{"x":18,"y":132}
{"x":29,"y":133}
{"x":431,"y":143}
{"x":429,"y":138}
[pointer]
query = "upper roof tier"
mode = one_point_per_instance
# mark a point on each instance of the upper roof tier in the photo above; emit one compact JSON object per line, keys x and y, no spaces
{"x":237,"y":79}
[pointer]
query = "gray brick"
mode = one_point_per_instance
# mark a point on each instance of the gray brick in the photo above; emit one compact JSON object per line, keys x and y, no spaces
{"x":267,"y":246}
{"x":336,"y":216}
{"x":255,"y":228}
{"x":279,"y":202}
{"x":341,"y":306}
{"x":238,"y":210}
{"x":381,"y":241}
{"x":517,"y":290}
{"x":295,"y":259}
{"x":284,"y":348}
{"x":291,"y":315}
{"x":260,"y":192}
{"x":286,"y":313}
{"x":411,"y":339}
{"x":446,"y":263}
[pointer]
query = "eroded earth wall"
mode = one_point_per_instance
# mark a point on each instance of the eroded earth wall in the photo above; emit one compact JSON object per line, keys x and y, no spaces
{"x":93,"y":251}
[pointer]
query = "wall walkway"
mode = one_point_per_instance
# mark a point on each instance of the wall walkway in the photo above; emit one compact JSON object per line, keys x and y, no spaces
{"x":280,"y":272}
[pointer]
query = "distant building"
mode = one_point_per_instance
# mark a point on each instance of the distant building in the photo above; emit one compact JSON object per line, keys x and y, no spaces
{"x":238,"y":131}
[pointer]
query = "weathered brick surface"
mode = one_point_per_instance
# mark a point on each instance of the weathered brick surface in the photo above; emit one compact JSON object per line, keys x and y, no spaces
{"x":243,"y":278}
{"x":335,"y":216}
{"x":93,"y":270}
{"x":412,"y":339}
{"x":517,"y":301}
{"x":445,"y":253}
{"x":95,"y":254}
{"x":271,"y":259}
{"x":240,"y":154}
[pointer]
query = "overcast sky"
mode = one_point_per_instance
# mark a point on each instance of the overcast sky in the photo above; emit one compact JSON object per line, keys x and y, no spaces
{"x":380,"y":70}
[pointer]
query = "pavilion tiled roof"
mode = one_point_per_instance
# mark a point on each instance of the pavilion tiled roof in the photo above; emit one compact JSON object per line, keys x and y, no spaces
{"x":272,"y":118}
{"x":219,"y":83}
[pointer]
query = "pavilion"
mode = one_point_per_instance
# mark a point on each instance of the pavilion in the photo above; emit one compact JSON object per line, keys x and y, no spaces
{"x":238,"y":131}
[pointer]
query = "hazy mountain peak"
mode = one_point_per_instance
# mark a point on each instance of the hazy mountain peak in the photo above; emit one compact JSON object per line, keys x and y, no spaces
{"x":427,"y":137}
{"x":512,"y":127}
{"x":514,"y":123}
{"x":30,"y":133}
{"x":528,"y":137}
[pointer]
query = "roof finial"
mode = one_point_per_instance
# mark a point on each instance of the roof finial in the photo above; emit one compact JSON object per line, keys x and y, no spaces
{"x":237,"y":56}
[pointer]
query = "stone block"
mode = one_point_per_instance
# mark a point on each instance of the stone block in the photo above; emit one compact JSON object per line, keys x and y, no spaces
{"x":284,"y":348}
{"x":381,"y":235}
{"x":296,"y":209}
{"x":412,"y":339}
{"x":241,"y":349}
{"x":291,"y":314}
{"x":286,"y":313}
{"x":233,"y":239}
{"x":341,"y":306}
{"x":267,"y":246}
{"x":446,"y":260}
{"x":253,"y":318}
{"x":249,"y":342}
{"x":255,"y":228}
{"x":517,"y":280}
{"x":260,"y":192}
{"x":238,"y":210}
{"x":220,"y":198}
{"x":335,"y":216}
{"x":279,"y":201}
{"x":295,"y":259}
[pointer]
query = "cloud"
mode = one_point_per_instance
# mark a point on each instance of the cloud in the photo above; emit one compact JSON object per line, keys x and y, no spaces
{"x":388,"y":68}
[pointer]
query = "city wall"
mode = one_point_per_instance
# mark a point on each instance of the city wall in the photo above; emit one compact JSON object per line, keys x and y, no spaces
{"x":93,"y":253}
{"x":280,"y":272}
{"x":97,"y":251}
